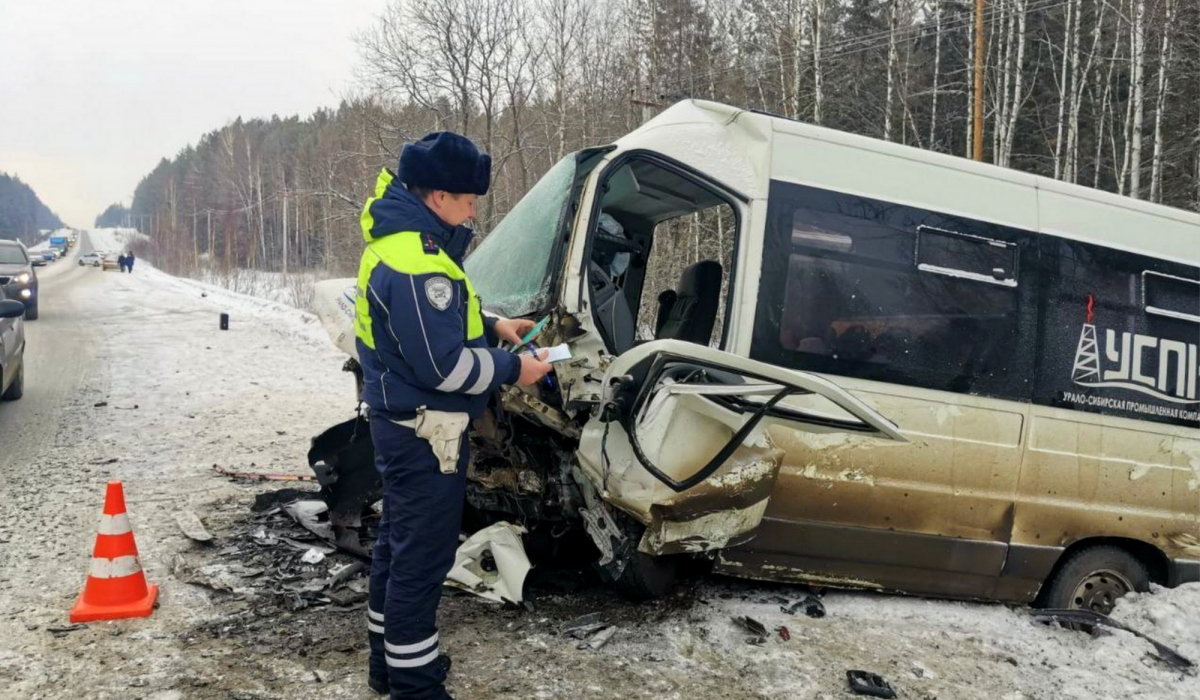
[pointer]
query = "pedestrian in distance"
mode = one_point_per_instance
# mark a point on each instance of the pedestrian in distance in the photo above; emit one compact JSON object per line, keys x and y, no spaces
{"x":122,"y":262}
{"x":430,"y":362}
{"x":129,"y":261}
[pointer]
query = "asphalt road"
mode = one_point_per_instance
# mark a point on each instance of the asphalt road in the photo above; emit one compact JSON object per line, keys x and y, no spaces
{"x":59,"y":356}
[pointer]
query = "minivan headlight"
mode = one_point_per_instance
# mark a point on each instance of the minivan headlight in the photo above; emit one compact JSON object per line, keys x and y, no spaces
{"x":23,"y":278}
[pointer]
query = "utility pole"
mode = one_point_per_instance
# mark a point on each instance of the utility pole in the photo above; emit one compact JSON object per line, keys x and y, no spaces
{"x":979,"y":80}
{"x":285,"y":232}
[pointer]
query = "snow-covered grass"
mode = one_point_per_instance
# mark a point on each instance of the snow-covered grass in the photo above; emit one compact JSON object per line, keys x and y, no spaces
{"x":294,"y":288}
{"x":115,"y":240}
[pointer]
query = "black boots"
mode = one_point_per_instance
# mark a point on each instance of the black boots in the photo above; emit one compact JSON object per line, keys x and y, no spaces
{"x":380,"y":685}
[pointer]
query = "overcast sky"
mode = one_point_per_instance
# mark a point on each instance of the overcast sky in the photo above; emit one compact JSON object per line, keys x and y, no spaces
{"x":94,"y":92}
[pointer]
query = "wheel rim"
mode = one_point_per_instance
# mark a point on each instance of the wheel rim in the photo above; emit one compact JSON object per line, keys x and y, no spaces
{"x":1099,"y":591}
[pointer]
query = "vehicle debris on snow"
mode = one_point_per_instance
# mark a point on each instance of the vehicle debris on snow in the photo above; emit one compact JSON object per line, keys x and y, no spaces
{"x":870,"y":684}
{"x":492,"y":564}
{"x":810,"y":604}
{"x":191,"y":526}
{"x":1086,"y":619}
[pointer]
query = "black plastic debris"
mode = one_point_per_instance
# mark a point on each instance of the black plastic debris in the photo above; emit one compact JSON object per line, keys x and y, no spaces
{"x":343,"y":459}
{"x":809,"y":604}
{"x":224,"y":321}
{"x":757,"y":630}
{"x":584,"y":626}
{"x":599,"y":639}
{"x":1089,"y":619}
{"x":870,"y":684}
{"x":274,"y":499}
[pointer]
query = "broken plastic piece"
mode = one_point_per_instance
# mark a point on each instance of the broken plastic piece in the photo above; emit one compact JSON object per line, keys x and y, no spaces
{"x":308,"y":515}
{"x":600,"y":638}
{"x":506,"y":581}
{"x":810,"y":604}
{"x":867,"y":683}
{"x":190,"y":523}
{"x":581,"y":627}
{"x":751,"y":625}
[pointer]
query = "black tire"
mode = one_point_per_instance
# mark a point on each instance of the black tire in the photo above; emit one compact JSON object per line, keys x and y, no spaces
{"x":647,"y":577}
{"x":1093,"y":578}
{"x":31,"y":312}
{"x":17,"y":389}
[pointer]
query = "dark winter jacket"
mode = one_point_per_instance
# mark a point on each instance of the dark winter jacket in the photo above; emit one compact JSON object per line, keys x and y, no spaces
{"x":422,"y":337}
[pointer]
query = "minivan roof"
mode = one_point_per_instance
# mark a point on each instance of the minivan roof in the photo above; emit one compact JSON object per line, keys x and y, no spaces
{"x":743,"y":149}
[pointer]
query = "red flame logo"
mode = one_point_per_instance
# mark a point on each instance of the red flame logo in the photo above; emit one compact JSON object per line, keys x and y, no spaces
{"x":1091,"y":304}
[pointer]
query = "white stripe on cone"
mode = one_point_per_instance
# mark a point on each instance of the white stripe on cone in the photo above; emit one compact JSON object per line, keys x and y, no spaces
{"x":114,"y":524}
{"x":115,"y":568}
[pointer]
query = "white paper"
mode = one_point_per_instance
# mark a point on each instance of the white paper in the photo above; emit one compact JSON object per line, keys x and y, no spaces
{"x":558,"y":353}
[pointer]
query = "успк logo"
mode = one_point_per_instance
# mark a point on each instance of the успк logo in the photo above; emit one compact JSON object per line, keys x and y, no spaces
{"x":1159,"y":367}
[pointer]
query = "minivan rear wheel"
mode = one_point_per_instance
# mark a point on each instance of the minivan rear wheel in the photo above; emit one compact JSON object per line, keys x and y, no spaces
{"x":17,"y":389}
{"x":1094,"y":578}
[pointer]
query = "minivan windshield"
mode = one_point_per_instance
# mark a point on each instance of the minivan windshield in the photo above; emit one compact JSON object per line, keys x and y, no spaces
{"x":12,"y":255}
{"x":510,"y":269}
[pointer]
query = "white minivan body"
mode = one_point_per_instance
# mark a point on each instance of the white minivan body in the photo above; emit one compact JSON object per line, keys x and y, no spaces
{"x":812,"y":356}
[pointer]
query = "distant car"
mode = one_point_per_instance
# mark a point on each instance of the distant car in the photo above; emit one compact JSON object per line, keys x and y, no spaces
{"x":109,"y":263}
{"x":12,"y":349}
{"x":17,"y":278}
{"x":93,"y":259}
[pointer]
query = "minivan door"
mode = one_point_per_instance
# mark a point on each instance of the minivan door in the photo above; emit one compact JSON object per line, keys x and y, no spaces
{"x":680,"y":442}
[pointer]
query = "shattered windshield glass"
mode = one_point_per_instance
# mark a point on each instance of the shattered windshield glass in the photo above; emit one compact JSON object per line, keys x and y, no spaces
{"x":509,"y":269}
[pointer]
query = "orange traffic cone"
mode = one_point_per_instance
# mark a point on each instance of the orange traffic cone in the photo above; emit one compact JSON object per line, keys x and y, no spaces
{"x":116,"y":587}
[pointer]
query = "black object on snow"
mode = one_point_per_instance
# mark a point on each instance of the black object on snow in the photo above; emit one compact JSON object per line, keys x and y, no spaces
{"x":810,"y":604}
{"x":867,"y":683}
{"x":751,"y":625}
{"x":1091,"y":618}
{"x":224,"y":321}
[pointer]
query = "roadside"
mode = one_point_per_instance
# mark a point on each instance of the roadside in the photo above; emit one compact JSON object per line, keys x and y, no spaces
{"x":180,"y":396}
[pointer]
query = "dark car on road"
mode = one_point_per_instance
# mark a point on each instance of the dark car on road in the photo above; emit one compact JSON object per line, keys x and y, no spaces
{"x":17,"y":278}
{"x":12,"y":349}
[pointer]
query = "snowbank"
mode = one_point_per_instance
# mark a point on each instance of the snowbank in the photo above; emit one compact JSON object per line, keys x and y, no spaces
{"x":294,"y":289}
{"x":115,"y":240}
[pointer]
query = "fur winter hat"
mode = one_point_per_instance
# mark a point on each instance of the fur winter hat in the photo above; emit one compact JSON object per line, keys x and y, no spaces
{"x":444,"y":160}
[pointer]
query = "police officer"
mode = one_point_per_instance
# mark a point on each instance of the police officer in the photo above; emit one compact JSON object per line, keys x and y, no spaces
{"x":429,"y":365}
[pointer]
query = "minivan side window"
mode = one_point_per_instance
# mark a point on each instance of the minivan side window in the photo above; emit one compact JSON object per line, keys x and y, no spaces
{"x":864,"y":288}
{"x":1120,"y":333}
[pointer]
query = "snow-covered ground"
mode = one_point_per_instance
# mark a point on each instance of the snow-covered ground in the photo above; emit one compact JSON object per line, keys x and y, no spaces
{"x":179,"y":396}
{"x":114,"y":240}
{"x":292,"y":289}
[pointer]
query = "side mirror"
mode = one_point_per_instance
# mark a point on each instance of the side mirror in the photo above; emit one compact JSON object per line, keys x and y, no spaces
{"x":11,"y":309}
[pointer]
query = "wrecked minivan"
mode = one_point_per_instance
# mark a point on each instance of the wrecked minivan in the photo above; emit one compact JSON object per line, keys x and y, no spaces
{"x":809,"y":356}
